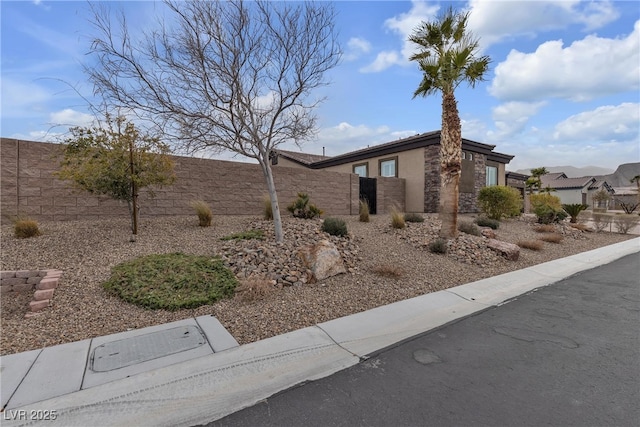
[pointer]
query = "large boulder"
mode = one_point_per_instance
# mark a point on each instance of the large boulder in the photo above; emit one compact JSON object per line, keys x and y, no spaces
{"x":323,"y":259}
{"x":507,"y":250}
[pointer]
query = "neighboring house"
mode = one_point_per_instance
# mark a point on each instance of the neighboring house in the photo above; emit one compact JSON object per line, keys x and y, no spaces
{"x":416,"y":160}
{"x":574,"y":190}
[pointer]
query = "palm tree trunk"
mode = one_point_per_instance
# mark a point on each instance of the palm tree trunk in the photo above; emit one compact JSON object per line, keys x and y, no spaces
{"x":450,"y":158}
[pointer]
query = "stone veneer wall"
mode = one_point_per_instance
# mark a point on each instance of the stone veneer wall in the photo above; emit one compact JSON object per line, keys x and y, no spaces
{"x":431,"y":178}
{"x":28,"y":187}
{"x":467,"y":202}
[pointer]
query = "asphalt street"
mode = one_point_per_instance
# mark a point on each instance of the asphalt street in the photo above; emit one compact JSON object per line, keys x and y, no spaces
{"x":565,"y":355}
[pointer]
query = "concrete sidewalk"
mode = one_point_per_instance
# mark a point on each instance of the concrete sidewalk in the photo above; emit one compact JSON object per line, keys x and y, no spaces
{"x":198,"y":374}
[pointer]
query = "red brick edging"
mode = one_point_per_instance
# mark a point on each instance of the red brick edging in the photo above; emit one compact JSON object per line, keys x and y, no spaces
{"x":43,"y":282}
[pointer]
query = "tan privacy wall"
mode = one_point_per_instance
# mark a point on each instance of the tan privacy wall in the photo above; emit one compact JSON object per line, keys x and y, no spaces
{"x":231,"y":188}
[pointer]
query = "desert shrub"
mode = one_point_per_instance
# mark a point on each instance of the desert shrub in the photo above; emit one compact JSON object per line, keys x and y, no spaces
{"x":534,"y":245}
{"x":438,"y":246}
{"x":551,"y":238}
{"x":545,"y":228}
{"x":171,"y":281}
{"x":24,"y":228}
{"x":499,"y":201}
{"x":628,"y":207}
{"x":601,"y":221}
{"x":547,"y":208}
{"x":469,"y":228}
{"x":301,"y":208}
{"x":488,"y":222}
{"x":203,"y":211}
{"x":624,"y":223}
{"x":245,"y":235}
{"x":364,"y":211}
{"x":267,"y":209}
{"x":334,"y":226}
{"x":254,"y":288}
{"x":580,"y":226}
{"x":390,"y":271}
{"x":397,"y":218}
{"x":413,"y":217}
{"x":574,"y":210}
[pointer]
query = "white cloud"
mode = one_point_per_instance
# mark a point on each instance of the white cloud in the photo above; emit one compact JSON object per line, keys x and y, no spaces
{"x":346,"y":137}
{"x":21,"y":99}
{"x":511,"y":118}
{"x":69,"y":117}
{"x":607,"y":123}
{"x":526,"y":19}
{"x":402,"y":25}
{"x":606,"y":136}
{"x":383,"y":61}
{"x":356,"y":46}
{"x":587,"y":68}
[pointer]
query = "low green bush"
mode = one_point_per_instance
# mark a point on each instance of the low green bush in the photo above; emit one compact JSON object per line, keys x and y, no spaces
{"x":413,"y":217}
{"x":171,"y":281}
{"x":245,"y":235}
{"x":488,"y":222}
{"x":334,"y":226}
{"x":469,"y":228}
{"x":301,"y":208}
{"x":438,"y":246}
{"x":499,"y":201}
{"x":24,"y":228}
{"x":547,"y":208}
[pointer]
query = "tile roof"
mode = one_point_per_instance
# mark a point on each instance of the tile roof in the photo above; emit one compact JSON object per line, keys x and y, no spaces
{"x":566,"y":183}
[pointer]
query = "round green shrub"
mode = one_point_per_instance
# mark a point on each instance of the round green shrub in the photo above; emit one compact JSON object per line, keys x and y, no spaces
{"x":413,"y":217}
{"x":438,"y":246}
{"x":334,"y":226}
{"x":487,"y":222}
{"x":469,"y":228}
{"x":499,"y":201}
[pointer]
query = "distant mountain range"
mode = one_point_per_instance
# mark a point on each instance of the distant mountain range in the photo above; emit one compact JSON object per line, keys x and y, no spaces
{"x":619,"y":178}
{"x":622,"y":176}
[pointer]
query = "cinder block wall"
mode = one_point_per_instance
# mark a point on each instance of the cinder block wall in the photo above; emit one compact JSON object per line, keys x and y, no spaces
{"x":28,"y":187}
{"x":390,"y":192}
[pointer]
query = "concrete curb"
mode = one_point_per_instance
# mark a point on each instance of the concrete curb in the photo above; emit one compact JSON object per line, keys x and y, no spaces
{"x":213,"y":386}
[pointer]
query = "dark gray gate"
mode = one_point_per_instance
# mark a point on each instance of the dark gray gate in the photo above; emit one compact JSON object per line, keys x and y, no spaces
{"x":368,"y":193}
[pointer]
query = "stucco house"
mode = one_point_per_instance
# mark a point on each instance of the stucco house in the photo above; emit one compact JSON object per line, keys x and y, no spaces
{"x":416,"y":160}
{"x":574,"y":190}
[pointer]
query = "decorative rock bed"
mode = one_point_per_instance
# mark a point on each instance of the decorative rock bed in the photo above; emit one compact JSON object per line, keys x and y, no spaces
{"x":43,"y":282}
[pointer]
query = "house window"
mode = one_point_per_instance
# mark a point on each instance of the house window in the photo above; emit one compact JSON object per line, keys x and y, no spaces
{"x":362,"y":170}
{"x":492,"y":176}
{"x":389,"y":167}
{"x":464,"y":155}
{"x":470,"y":156}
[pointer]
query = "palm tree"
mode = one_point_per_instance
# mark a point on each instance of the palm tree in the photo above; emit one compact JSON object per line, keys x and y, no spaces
{"x":447,"y":57}
{"x":636,"y":179}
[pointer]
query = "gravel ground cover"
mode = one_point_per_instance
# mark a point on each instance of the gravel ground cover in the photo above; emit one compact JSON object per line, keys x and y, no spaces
{"x":86,"y":251}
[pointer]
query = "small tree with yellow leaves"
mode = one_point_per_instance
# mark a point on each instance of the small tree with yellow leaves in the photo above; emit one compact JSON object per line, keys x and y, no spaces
{"x":117,"y":161}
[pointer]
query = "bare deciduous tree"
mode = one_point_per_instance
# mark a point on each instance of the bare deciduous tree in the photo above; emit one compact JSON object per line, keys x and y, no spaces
{"x":221,"y":75}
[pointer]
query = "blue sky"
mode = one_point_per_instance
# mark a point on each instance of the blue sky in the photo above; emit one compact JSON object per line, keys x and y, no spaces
{"x":563,"y":88}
